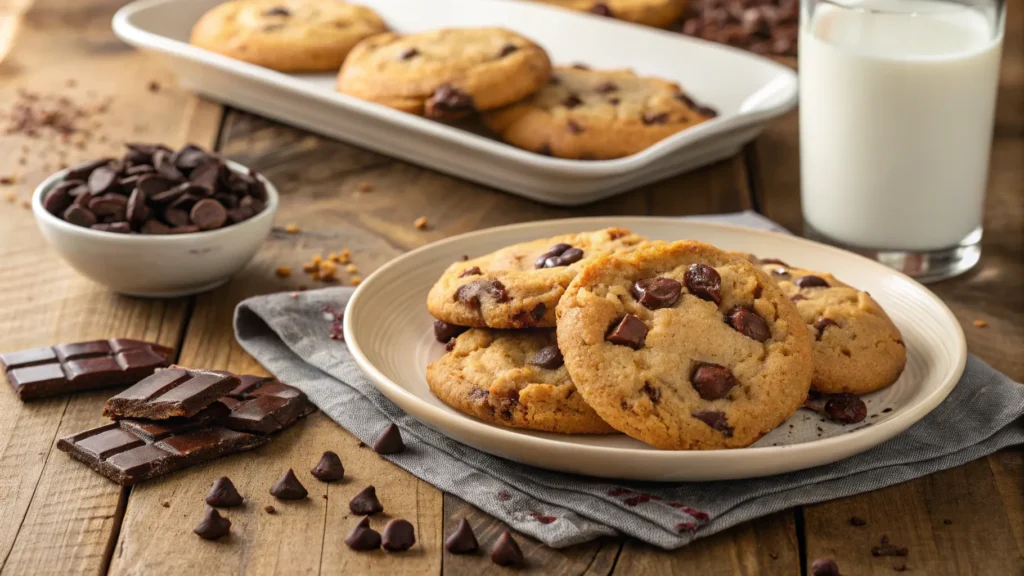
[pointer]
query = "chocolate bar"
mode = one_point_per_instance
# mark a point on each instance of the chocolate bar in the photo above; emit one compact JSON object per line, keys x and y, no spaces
{"x":156,"y":430}
{"x":174,"y":392}
{"x":264,"y":405}
{"x":128,"y":458}
{"x":80,"y":366}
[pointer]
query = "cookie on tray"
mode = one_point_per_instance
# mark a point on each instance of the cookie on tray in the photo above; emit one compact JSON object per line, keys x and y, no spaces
{"x":857,"y":348}
{"x":287,"y":35}
{"x":657,"y":13}
{"x":514,"y":378}
{"x":445,"y":74}
{"x":684,"y":346}
{"x":519,"y":286}
{"x":597,"y":114}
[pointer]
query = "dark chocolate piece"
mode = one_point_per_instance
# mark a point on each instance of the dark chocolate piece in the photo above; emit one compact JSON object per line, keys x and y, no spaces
{"x":366,"y":503}
{"x":363,"y":537}
{"x":213,"y":525}
{"x":80,"y":366}
{"x":506,"y":551}
{"x":264,"y":405}
{"x":462,"y":541}
{"x":329,"y":468}
{"x":128,"y":459}
{"x":223,"y":494}
{"x":389,"y":441}
{"x":824,"y":567}
{"x":840,"y":408}
{"x":168,"y":393}
{"x":289,"y":487}
{"x":399,"y":535}
{"x":155,"y":430}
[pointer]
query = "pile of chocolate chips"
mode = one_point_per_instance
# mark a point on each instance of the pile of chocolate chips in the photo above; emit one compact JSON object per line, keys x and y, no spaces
{"x":156,"y":190}
{"x":761,"y":26}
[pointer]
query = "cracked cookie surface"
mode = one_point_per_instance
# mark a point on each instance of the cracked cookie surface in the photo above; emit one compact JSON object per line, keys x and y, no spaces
{"x":519,"y":286}
{"x":287,"y":35}
{"x":445,"y":74}
{"x":514,"y":378}
{"x":684,"y":346}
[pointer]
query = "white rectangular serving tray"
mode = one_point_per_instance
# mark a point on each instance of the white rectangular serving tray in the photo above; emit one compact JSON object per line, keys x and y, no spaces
{"x":747,"y":90}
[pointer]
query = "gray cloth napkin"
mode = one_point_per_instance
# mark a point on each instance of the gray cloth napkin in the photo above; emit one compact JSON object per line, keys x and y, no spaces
{"x":289,"y":335}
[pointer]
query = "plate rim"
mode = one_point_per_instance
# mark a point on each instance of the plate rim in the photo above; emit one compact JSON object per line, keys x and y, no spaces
{"x":867,"y":437}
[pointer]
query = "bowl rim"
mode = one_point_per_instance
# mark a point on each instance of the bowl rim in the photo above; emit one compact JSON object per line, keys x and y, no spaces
{"x":43,"y":215}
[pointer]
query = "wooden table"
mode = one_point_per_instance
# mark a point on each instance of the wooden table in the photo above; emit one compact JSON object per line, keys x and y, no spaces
{"x":57,"y":517}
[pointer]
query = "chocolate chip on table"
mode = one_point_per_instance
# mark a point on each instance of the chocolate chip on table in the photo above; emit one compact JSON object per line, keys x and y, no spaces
{"x":507,"y":49}
{"x":824,"y":567}
{"x":715,"y":420}
{"x":365,"y":503}
{"x":840,"y":408}
{"x":506,"y":551}
{"x":363,"y":537}
{"x":213,"y":526}
{"x":704,"y":282}
{"x":470,"y":293}
{"x":822,"y":323}
{"x":811,"y":281}
{"x":208,"y":214}
{"x":289,"y":487}
{"x":549,"y":357}
{"x":223,"y":494}
{"x":630,"y":331}
{"x":329,"y":469}
{"x":601,"y":9}
{"x":389,"y":441}
{"x":857,"y":521}
{"x":444,"y":332}
{"x":448,"y":101}
{"x":749,"y":323}
{"x":462,"y":540}
{"x":655,"y":293}
{"x":884,"y":548}
{"x":712,"y":381}
{"x":398,"y":536}
{"x":79,"y":216}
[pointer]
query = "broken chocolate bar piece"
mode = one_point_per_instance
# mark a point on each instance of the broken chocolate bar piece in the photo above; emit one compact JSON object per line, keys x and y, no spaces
{"x":264,"y":405}
{"x":170,"y":393}
{"x":80,"y":366}
{"x":155,"y":430}
{"x":127,"y":458}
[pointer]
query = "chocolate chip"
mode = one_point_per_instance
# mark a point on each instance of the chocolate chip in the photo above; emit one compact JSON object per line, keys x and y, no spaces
{"x":189,"y":157}
{"x":176,"y":217}
{"x":538,"y":311}
{"x":712,"y":381}
{"x":773,"y":261}
{"x":857,"y":521}
{"x":462,"y":540}
{"x":154,"y":226}
{"x":448,"y":101}
{"x":102,"y":180}
{"x":153,"y":185}
{"x":704,"y":282}
{"x":399,"y":535}
{"x":749,"y":323}
{"x":79,"y":216}
{"x":208,"y":214}
{"x":449,"y":345}
{"x":580,"y":66}
{"x":470,"y":294}
{"x":573,"y":127}
{"x":289,"y":487}
{"x":506,"y":551}
{"x":822,"y":323}
{"x":606,"y":87}
{"x":841,"y":408}
{"x":165,"y":166}
{"x":715,"y":420}
{"x":389,"y":441}
{"x":444,"y":332}
{"x":824,"y":567}
{"x":363,"y":537}
{"x":83,"y":170}
{"x":277,"y":11}
{"x":366,"y":503}
{"x":59,"y":198}
{"x":206,"y":176}
{"x":601,"y":9}
{"x":614,"y":101}
{"x":109,"y":205}
{"x":137,"y":211}
{"x":682,"y":97}
{"x":474,"y":271}
{"x":329,"y":468}
{"x":555,"y":250}
{"x":810,"y":281}
{"x":650,"y":118}
{"x":653,"y":393}
{"x":213,"y":526}
{"x":223,"y":494}
{"x":507,"y":49}
{"x":655,"y":293}
{"x":572,"y":101}
{"x":630,"y":331}
{"x":549,"y":357}
{"x":886,"y":549}
{"x":408,"y":54}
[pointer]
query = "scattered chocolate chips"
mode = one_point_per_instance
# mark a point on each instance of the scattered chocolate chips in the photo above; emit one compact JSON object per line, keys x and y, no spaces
{"x":716,"y":420}
{"x":444,"y":332}
{"x":399,"y":535}
{"x":748,"y":323}
{"x":363,"y":537}
{"x":474,"y":271}
{"x":448,"y":102}
{"x":329,"y":468}
{"x":704,"y":282}
{"x":558,"y":255}
{"x":655,"y":293}
{"x":462,"y":540}
{"x":506,"y":551}
{"x":213,"y":526}
{"x":507,"y":49}
{"x":630,"y":331}
{"x":269,"y":509}
{"x":761,"y":26}
{"x":857,"y":521}
{"x":223,"y":494}
{"x":884,"y":548}
{"x":470,"y":294}
{"x":811,"y":281}
{"x":389,"y":441}
{"x":822,"y":323}
{"x":712,"y":381}
{"x":549,"y":357}
{"x":841,"y":408}
{"x":408,"y":54}
{"x":365,"y":503}
{"x":289,"y":487}
{"x":824,"y":567}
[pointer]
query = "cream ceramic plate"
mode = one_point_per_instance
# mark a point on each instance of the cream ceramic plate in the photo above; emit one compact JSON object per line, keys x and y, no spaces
{"x":390,"y":334}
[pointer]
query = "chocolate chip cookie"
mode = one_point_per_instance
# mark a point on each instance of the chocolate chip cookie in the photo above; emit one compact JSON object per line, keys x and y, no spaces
{"x":287,"y":35}
{"x":597,"y":114}
{"x":657,"y":13}
{"x":519,"y":286}
{"x":513,"y":378}
{"x":684,"y":346}
{"x":445,"y":74}
{"x":857,"y":348}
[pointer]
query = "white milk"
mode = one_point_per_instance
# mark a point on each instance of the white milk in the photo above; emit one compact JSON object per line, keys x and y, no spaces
{"x":896,"y":115}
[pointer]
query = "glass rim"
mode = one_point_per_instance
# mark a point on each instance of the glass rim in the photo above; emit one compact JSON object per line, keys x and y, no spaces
{"x":1000,"y":5}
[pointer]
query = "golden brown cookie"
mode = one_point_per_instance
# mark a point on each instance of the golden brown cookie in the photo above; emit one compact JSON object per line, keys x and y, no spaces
{"x":657,"y":13}
{"x":445,"y":74}
{"x":597,"y":114}
{"x":287,"y":35}
{"x":684,"y":346}
{"x":513,"y":378}
{"x":519,"y":286}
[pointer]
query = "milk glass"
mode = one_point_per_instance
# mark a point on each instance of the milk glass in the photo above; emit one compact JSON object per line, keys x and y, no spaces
{"x":897,"y":103}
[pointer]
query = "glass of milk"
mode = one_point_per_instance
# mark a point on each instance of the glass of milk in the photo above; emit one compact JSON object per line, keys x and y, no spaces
{"x":897,"y":104}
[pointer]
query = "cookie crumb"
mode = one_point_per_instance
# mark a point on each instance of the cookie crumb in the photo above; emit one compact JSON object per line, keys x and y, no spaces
{"x":165,"y":504}
{"x":291,"y":229}
{"x":310,"y":267}
{"x":269,"y":509}
{"x":345,"y":257}
{"x":356,"y":280}
{"x":327,"y":270}
{"x":364,"y":186}
{"x":8,"y":180}
{"x":283,"y":271}
{"x":351,"y":269}
{"x":333,"y":257}
{"x":420,"y":223}
{"x":12,"y":197}
{"x":26,"y":205}
{"x":980,"y":323}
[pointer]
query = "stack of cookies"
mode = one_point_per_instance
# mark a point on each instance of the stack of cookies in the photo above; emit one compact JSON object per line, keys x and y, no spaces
{"x":680,"y":345}
{"x":450,"y":74}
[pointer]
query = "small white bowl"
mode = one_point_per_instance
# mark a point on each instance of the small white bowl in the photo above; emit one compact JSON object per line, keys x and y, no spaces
{"x":157,"y":266}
